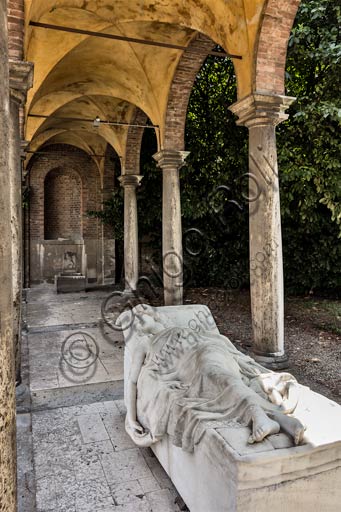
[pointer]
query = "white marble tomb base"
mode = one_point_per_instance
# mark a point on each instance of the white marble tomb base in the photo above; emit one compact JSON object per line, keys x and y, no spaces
{"x":226,"y":474}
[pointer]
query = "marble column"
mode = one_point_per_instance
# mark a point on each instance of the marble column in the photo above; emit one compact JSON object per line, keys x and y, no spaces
{"x":260,"y":114}
{"x":20,"y":80}
{"x":170,"y":163}
{"x":7,"y":366}
{"x":130,"y":182}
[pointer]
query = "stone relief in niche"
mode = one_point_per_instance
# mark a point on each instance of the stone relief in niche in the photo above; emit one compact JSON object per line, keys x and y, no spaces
{"x":70,"y":261}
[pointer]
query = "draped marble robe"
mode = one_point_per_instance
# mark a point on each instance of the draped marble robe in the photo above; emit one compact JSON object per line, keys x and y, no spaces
{"x":190,"y":379}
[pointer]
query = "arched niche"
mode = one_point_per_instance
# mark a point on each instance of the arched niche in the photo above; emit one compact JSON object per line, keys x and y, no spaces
{"x":62,"y":205}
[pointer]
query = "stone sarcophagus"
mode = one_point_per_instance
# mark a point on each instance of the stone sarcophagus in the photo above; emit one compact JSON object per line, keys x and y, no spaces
{"x":218,"y":461}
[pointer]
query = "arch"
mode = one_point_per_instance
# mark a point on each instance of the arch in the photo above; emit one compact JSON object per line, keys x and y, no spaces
{"x":131,"y":163}
{"x":233,"y":25}
{"x":100,"y":71}
{"x":62,"y":204}
{"x":62,"y":136}
{"x":219,"y":19}
{"x":89,"y":241}
{"x":180,"y":91}
{"x":90,"y":107}
{"x":271,"y":48}
{"x":64,"y":156}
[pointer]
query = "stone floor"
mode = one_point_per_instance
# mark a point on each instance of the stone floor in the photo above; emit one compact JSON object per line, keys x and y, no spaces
{"x":71,"y":350}
{"x":85,"y":462}
{"x":73,"y":452}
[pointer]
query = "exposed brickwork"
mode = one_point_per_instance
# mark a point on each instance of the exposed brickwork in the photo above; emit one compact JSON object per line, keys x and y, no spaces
{"x":271,"y":51}
{"x":16,"y":16}
{"x":134,"y":141}
{"x":66,"y":159}
{"x":65,"y":183}
{"x":185,"y":75}
{"x":63,"y":204}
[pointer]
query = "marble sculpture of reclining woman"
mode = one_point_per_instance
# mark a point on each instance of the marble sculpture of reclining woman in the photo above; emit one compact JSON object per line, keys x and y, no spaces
{"x":181,"y":380}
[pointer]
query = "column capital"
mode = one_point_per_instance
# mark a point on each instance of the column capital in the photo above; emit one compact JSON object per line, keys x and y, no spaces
{"x":170,"y":159}
{"x":261,"y":109}
{"x":130,"y":180}
{"x":20,"y":79}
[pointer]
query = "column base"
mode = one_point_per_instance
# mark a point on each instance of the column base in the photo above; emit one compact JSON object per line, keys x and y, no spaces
{"x":271,"y":361}
{"x":130,"y":294}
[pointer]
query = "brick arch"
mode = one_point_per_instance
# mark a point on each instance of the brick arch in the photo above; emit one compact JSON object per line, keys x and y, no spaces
{"x":180,"y":91}
{"x":66,"y":157}
{"x":271,"y":49}
{"x":131,"y":163}
{"x":62,"y":204}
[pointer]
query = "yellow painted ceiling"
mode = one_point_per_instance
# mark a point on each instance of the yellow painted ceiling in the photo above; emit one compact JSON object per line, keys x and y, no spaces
{"x":79,"y":76}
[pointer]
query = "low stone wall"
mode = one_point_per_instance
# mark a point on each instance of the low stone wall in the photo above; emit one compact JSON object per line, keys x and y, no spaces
{"x":51,"y":257}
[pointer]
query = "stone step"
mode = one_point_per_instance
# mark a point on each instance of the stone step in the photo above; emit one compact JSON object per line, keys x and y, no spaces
{"x":82,"y":394}
{"x":70,"y":283}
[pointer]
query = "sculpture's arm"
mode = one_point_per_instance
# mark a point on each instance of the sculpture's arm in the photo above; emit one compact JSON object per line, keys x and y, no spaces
{"x":137,"y":362}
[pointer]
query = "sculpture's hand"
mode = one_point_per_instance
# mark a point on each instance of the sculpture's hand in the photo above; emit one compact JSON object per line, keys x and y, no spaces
{"x":138,"y":434}
{"x":134,"y":426}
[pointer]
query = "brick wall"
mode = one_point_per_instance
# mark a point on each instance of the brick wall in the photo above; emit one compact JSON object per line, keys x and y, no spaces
{"x":16,"y":18}
{"x":63,"y":205}
{"x":66,"y":159}
{"x":65,"y":183}
{"x":269,"y":65}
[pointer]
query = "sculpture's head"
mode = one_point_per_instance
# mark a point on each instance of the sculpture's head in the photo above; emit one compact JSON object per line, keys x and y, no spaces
{"x":147,"y":320}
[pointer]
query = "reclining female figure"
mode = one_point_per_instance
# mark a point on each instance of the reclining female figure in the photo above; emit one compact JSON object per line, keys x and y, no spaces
{"x":180,"y":380}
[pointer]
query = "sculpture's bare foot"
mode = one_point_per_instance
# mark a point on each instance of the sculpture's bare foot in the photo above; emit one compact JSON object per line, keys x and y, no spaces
{"x":262,"y":426}
{"x":291,"y":426}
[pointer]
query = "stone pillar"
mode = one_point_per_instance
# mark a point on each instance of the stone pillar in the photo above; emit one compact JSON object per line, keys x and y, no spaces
{"x":108,"y":235}
{"x":20,"y":80}
{"x":171,"y":162}
{"x":7,"y":368}
{"x":130,"y":182}
{"x":260,"y":114}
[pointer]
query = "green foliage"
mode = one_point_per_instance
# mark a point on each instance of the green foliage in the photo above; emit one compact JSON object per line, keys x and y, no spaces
{"x":309,"y":150}
{"x":309,"y":159}
{"x":218,"y":158}
{"x":112,"y":213}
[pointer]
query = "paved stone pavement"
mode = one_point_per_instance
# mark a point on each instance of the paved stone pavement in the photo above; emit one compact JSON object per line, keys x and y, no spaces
{"x":85,"y":462}
{"x":81,"y":459}
{"x":71,"y":349}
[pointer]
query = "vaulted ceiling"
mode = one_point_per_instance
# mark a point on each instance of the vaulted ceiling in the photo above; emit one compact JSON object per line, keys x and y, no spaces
{"x":79,"y":76}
